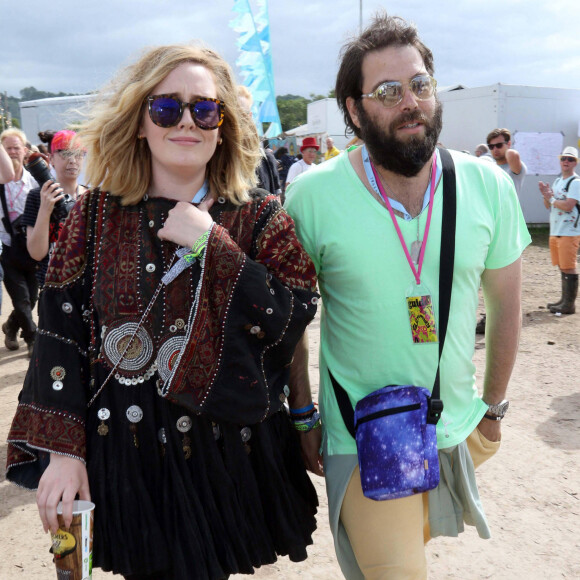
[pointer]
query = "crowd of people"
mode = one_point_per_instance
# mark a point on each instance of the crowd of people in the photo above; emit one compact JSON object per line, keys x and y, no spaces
{"x":169,"y":378}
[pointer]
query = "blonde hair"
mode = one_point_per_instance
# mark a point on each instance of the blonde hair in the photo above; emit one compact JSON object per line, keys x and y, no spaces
{"x":13,"y":132}
{"x":119,"y":162}
{"x":244,"y":92}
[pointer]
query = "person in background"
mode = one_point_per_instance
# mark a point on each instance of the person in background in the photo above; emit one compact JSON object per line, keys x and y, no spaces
{"x":331,"y":150}
{"x":308,"y":149}
{"x":267,"y":171}
{"x":6,"y":175}
{"x":563,"y":201}
{"x":171,"y":309}
{"x":47,"y":207}
{"x":19,"y":280}
{"x":481,"y":150}
{"x":499,"y":142}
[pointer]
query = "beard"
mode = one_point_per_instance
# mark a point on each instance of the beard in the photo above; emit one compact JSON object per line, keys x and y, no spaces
{"x":406,"y":157}
{"x":17,"y":164}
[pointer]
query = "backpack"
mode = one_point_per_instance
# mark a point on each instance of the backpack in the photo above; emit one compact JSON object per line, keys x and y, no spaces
{"x":565,"y":190}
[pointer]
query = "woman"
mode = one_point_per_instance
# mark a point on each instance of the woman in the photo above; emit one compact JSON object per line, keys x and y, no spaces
{"x":166,"y":334}
{"x":47,"y":207}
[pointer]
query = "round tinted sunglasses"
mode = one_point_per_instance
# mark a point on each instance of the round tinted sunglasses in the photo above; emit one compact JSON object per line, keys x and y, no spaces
{"x":166,"y":111}
{"x":391,"y":93}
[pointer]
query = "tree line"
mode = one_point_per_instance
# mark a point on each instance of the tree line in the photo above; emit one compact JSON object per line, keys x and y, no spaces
{"x":292,"y":108}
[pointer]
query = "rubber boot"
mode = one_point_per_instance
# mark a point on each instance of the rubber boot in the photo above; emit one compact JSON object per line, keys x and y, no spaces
{"x":559,"y":303}
{"x":570,"y":293}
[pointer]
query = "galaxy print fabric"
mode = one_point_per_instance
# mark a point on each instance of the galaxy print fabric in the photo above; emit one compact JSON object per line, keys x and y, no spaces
{"x":397,"y":448}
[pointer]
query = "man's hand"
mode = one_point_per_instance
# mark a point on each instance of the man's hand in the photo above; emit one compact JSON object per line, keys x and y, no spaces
{"x":545,"y":190}
{"x":491,"y":430}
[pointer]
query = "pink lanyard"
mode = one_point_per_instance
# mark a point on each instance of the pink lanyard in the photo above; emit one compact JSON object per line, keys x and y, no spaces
{"x":416,"y":273}
{"x":14,"y":198}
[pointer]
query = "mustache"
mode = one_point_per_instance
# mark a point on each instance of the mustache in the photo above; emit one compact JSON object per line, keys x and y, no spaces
{"x":410,"y":117}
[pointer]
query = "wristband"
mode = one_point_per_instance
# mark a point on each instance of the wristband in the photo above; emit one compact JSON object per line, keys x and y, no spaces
{"x":552,"y":200}
{"x":306,"y":425}
{"x":198,"y":247}
{"x":302,"y":410}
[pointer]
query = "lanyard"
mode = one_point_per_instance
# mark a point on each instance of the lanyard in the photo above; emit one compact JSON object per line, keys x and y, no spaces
{"x":201,"y":194}
{"x":416,"y":272}
{"x":14,"y":198}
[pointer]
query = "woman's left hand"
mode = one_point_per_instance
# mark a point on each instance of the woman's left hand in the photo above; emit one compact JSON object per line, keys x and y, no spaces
{"x":186,"y":222}
{"x":310,"y":443}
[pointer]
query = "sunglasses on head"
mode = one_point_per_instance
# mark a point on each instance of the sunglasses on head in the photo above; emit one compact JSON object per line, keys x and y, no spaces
{"x":391,"y":93}
{"x":492,"y":146}
{"x":166,"y":111}
{"x":569,"y":159}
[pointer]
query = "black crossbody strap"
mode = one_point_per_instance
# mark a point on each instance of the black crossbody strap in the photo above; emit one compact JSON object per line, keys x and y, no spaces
{"x":446,"y":262}
{"x":6,"y":218}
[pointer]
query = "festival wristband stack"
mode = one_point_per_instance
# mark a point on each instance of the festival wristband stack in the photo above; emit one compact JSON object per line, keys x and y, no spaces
{"x":305,"y":419}
{"x":199,"y":247}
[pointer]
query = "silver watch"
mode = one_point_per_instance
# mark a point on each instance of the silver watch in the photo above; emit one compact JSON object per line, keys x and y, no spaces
{"x":499,"y":410}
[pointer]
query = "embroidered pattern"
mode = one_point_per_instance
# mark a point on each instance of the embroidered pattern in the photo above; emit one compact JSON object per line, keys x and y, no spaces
{"x":45,"y":429}
{"x":68,"y":260}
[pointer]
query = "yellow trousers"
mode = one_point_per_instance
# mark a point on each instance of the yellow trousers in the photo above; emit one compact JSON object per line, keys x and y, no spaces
{"x":388,"y":537}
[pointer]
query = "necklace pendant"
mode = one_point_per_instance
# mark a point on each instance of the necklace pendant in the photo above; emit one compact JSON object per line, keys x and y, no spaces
{"x":416,"y":250}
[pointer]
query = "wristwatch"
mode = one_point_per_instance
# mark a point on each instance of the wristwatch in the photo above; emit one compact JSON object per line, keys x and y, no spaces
{"x":497,"y":412}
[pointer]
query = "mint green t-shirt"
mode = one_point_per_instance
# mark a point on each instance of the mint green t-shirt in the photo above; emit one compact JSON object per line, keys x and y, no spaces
{"x":364,"y":276}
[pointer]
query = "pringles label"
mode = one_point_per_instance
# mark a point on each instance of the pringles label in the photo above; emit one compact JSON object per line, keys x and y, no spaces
{"x":63,"y":544}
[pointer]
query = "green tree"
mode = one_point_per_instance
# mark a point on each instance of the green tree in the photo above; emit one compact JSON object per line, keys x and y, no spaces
{"x":292,"y":110}
{"x":31,"y":94}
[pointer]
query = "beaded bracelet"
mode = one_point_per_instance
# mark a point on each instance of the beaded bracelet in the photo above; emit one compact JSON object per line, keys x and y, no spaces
{"x":306,"y":425}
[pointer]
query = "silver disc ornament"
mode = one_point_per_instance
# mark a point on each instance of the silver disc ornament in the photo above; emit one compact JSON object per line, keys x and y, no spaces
{"x":132,"y":356}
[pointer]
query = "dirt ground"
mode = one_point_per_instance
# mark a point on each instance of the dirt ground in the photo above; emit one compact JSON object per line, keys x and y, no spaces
{"x":530,"y":490}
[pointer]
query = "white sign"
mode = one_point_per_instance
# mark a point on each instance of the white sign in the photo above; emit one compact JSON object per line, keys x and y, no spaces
{"x":539,"y":151}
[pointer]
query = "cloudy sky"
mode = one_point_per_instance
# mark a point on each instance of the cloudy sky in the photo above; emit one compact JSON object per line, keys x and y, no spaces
{"x":76,"y":46}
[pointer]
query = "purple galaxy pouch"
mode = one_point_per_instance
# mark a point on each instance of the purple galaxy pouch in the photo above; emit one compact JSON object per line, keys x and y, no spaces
{"x":397,"y":448}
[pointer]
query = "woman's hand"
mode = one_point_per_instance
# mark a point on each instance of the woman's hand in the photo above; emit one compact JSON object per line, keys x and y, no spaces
{"x":185,"y":223}
{"x":50,"y":193}
{"x":310,"y":443}
{"x":63,"y":479}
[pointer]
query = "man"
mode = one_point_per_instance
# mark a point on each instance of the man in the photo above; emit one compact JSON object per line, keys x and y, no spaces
{"x":481,"y":149}
{"x":563,"y":201}
{"x":499,"y":142}
{"x":331,"y":150}
{"x":308,"y":149}
{"x":20,"y":282}
{"x":387,"y":95}
{"x":6,"y":175}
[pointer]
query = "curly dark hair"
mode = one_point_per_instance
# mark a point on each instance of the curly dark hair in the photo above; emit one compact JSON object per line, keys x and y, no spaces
{"x":384,"y":31}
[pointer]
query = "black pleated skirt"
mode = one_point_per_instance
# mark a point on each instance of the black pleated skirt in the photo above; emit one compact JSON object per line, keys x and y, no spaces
{"x":184,"y":498}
